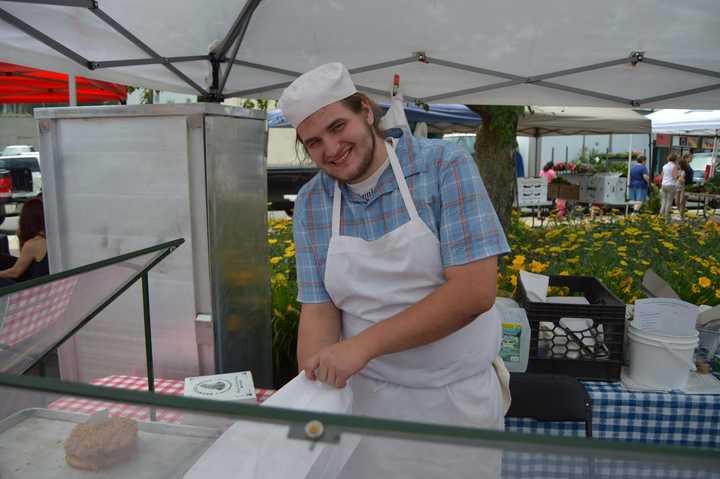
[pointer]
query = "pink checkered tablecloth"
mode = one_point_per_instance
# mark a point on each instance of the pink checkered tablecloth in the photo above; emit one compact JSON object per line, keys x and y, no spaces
{"x":173,"y":387}
{"x":31,"y":310}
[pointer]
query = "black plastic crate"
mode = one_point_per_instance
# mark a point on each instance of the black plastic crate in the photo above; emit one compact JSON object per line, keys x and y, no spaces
{"x":594,"y":353}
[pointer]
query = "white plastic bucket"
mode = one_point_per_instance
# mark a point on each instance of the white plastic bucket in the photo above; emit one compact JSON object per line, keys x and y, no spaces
{"x":659,"y":361}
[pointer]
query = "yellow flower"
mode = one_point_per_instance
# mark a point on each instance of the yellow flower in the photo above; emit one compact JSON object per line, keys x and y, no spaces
{"x":518,"y":261}
{"x":622,"y":248}
{"x":290,"y":251}
{"x":275,"y":259}
{"x":639,"y":273}
{"x":704,"y":282}
{"x":537,"y":267}
{"x":513,"y":280}
{"x":564,"y":273}
{"x":669,"y":245}
{"x":717,"y":293}
{"x":280,"y":278}
{"x":272,"y":241}
{"x":695,"y":288}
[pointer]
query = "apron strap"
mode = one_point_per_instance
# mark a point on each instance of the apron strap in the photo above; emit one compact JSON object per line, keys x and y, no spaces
{"x":402,"y":185}
{"x":336,"y":210}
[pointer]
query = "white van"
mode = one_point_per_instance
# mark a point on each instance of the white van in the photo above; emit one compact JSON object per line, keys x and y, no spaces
{"x":698,"y":163}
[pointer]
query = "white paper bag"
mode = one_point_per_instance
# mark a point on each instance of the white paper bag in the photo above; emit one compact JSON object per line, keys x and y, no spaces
{"x":252,"y":449}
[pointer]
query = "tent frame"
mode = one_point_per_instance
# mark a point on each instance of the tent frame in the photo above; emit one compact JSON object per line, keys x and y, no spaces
{"x":234,"y":38}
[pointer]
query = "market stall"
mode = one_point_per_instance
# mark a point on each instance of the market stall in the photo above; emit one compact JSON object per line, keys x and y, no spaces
{"x":472,"y":54}
{"x":225,"y":49}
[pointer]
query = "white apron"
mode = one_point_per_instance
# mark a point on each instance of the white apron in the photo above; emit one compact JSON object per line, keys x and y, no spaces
{"x":451,"y":381}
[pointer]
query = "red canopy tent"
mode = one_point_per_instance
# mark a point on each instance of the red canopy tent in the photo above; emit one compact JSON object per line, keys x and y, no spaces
{"x":20,"y":84}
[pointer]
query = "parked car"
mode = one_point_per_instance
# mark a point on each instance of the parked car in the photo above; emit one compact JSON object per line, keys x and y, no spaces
{"x":20,"y":181}
{"x":699,"y":163}
{"x":12,"y":150}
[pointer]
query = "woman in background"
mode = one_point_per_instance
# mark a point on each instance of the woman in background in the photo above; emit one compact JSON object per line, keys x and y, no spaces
{"x":33,"y":261}
{"x":639,"y":178}
{"x":548,"y":172}
{"x":670,"y":173}
{"x":683,"y":165}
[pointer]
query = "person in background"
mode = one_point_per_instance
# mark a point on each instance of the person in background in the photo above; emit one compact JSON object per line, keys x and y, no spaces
{"x":32,"y":262}
{"x":639,"y":178}
{"x":689,"y":180}
{"x":669,"y":183}
{"x":681,"y":182}
{"x":549,"y":174}
{"x":519,"y":164}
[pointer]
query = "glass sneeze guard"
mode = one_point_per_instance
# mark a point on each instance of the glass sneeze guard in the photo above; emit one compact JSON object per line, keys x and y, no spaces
{"x":38,"y":315}
{"x":208,"y":438}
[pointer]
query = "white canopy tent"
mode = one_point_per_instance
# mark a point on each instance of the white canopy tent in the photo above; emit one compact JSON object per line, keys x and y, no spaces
{"x":547,"y":121}
{"x":689,"y":122}
{"x":539,"y":122}
{"x":686,"y":122}
{"x":647,"y":53}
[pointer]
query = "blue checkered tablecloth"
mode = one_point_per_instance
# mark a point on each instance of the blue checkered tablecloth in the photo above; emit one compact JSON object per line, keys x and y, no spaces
{"x":658,"y":418}
{"x":521,"y":465}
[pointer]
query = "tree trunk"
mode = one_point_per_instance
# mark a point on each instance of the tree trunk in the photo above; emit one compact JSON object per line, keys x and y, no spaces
{"x":494,"y":145}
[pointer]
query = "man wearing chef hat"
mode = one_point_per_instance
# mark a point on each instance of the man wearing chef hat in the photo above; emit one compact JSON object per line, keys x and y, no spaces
{"x":396,"y":245}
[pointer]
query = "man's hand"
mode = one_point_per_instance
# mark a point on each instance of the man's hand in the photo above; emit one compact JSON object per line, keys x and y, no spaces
{"x":335,"y":364}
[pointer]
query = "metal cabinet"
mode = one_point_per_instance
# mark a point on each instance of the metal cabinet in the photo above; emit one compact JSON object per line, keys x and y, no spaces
{"x":118,"y":178}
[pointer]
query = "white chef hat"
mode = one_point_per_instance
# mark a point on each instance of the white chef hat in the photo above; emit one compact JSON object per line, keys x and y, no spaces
{"x":315,"y":89}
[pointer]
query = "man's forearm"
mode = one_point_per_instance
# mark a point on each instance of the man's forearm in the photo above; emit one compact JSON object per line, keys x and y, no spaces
{"x":319,"y":327}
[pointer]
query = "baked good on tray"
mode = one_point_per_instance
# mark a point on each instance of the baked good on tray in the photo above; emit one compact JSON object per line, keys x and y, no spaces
{"x":101,"y":443}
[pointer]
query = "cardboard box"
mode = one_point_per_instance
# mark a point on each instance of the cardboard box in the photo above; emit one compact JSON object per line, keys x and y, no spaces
{"x":563,"y":191}
{"x":237,"y":387}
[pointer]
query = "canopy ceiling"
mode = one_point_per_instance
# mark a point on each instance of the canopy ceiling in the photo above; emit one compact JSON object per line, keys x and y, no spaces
{"x":686,"y":122}
{"x":615,"y":53}
{"x":20,"y":84}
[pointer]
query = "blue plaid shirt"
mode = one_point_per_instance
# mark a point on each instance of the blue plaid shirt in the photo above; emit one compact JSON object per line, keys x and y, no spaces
{"x":448,"y":193}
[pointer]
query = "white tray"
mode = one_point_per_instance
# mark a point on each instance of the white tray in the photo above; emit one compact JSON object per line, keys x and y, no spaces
{"x":31,"y":446}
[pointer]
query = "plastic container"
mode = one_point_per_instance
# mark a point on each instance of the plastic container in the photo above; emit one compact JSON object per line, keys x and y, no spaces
{"x":550,"y":350}
{"x":709,"y":344}
{"x":515,"y":347}
{"x":659,"y":361}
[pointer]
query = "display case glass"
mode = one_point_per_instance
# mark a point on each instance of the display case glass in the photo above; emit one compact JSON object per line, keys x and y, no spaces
{"x":197,"y":438}
{"x":37,"y":316}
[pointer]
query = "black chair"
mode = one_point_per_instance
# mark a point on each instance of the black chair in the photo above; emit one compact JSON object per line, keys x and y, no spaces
{"x":550,"y":397}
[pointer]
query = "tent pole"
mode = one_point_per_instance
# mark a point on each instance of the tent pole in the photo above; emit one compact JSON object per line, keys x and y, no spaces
{"x":629,"y":164}
{"x":713,"y":162}
{"x":72,"y":89}
{"x":236,"y":36}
